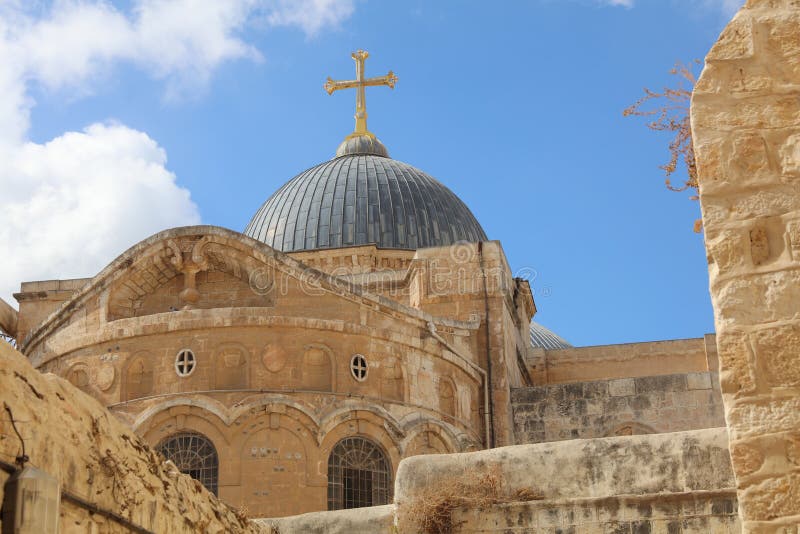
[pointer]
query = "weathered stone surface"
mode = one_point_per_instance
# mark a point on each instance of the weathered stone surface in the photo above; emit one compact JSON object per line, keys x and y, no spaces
{"x":772,"y":499}
{"x":735,"y":42}
{"x":688,"y":514}
{"x":776,"y":354}
{"x":666,"y":403}
{"x":745,"y":117}
{"x":70,"y":436}
{"x":372,"y":520}
{"x":748,"y":458}
{"x":621,"y":388}
{"x":763,"y":415}
{"x":676,"y":462}
{"x":737,"y":367}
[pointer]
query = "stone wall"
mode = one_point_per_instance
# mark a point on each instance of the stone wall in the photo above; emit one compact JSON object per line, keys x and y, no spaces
{"x":99,"y":460}
{"x":746,"y":128}
{"x":623,"y":406}
{"x":656,"y":484}
{"x":700,"y":513}
{"x":678,"y":482}
{"x":624,"y":360}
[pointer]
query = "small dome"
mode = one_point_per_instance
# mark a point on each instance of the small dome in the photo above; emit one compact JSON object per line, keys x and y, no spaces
{"x":544,"y":338}
{"x":360,"y":199}
{"x":361,"y":144}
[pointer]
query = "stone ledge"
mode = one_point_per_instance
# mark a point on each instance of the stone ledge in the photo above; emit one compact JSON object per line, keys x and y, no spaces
{"x":372,"y":520}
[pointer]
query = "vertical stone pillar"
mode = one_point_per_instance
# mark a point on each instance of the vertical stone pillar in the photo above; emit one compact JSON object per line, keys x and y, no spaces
{"x":746,"y":128}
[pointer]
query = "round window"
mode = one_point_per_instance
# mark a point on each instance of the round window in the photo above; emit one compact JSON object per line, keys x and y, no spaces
{"x":185,"y":363}
{"x":358,"y":367}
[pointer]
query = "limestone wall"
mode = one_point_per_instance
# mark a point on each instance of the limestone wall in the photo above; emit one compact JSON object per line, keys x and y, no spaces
{"x":99,"y":460}
{"x":701,"y":513}
{"x":746,"y":129}
{"x":624,"y":406}
{"x":624,"y":360}
{"x":664,"y":483}
{"x":677,"y":463}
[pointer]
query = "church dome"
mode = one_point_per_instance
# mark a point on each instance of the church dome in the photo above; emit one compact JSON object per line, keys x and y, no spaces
{"x":544,"y":338}
{"x":362,"y":198}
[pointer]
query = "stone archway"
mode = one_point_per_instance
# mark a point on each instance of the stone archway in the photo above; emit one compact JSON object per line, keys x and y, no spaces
{"x":746,"y":130}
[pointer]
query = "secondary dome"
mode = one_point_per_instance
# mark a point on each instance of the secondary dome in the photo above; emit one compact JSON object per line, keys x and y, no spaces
{"x":544,"y":338}
{"x":359,"y":199}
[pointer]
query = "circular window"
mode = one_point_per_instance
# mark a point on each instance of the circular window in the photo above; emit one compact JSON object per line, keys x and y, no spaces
{"x":185,"y":363}
{"x":358,"y":367}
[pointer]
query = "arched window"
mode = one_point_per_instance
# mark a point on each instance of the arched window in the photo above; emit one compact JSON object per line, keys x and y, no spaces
{"x":194,"y":455}
{"x":358,"y":475}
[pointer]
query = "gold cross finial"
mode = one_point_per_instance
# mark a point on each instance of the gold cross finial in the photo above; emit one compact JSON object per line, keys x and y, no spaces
{"x":360,"y":83}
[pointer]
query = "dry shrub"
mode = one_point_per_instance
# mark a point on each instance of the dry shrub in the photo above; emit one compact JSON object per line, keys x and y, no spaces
{"x":668,"y":111}
{"x":431,"y":511}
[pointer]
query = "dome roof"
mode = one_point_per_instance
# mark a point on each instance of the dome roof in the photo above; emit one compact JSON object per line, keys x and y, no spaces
{"x":362,"y":198}
{"x":543,"y":338}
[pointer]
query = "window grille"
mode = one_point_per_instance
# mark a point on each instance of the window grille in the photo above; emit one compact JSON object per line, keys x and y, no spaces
{"x":358,"y":475}
{"x":358,"y":367}
{"x":194,"y":455}
{"x":185,"y":363}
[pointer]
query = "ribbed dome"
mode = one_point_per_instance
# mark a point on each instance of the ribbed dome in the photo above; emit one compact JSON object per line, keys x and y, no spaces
{"x":544,"y":338}
{"x":362,"y":199}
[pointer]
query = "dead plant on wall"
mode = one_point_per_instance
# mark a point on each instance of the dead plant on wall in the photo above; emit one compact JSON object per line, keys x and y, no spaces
{"x":432,"y":510}
{"x":668,"y":111}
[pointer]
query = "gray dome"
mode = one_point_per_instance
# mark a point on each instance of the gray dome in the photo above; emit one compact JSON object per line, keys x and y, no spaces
{"x":543,"y":338}
{"x":362,"y":199}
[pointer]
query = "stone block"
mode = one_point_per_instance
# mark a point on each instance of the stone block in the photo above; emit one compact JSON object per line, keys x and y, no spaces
{"x":698,"y":381}
{"x":789,"y":154}
{"x":650,"y":384}
{"x":760,"y":112}
{"x":777,"y":352}
{"x":773,"y":498}
{"x":622,"y":387}
{"x":735,"y":42}
{"x":737,"y":367}
{"x":748,"y":417}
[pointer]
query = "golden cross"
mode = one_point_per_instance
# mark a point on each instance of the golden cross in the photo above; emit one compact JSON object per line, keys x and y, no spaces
{"x":360,"y":83}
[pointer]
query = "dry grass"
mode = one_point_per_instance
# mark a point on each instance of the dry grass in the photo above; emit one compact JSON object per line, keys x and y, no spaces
{"x":431,"y":512}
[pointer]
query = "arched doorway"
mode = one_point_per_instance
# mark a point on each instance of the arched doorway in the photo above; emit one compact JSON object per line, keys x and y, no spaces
{"x":359,"y":474}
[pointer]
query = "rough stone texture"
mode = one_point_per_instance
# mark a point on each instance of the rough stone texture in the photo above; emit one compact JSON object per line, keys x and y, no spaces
{"x":746,"y":129}
{"x":94,"y":456}
{"x":644,"y":405}
{"x":703,"y":513}
{"x":373,"y":520}
{"x":661,"y":483}
{"x":678,"y":462}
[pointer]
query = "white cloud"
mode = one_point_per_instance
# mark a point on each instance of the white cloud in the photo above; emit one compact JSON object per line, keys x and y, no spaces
{"x":727,"y":7}
{"x":618,"y":3}
{"x":69,"y":206}
{"x":77,"y":201}
{"x":310,"y":15}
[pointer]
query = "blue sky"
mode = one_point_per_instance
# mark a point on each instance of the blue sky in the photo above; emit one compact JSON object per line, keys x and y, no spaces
{"x":516,"y":106}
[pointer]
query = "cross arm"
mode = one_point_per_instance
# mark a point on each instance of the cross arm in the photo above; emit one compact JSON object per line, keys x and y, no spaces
{"x":334,"y":85}
{"x":390,"y":79}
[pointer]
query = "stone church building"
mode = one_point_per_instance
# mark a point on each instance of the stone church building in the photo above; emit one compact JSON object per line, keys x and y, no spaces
{"x":363,"y":316}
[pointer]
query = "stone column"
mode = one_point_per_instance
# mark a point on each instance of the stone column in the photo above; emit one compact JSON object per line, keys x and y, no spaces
{"x":746,"y":128}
